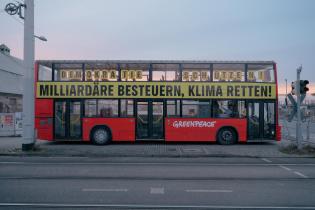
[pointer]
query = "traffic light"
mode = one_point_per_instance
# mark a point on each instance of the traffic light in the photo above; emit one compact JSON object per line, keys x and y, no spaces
{"x":303,"y":86}
{"x":293,"y":88}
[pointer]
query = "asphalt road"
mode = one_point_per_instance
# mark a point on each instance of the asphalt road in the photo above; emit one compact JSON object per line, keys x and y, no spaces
{"x":157,"y":183}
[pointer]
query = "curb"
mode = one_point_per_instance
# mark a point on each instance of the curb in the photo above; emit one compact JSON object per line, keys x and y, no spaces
{"x":33,"y":154}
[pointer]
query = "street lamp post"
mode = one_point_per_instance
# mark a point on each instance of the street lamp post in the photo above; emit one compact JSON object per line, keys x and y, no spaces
{"x":28,"y":81}
{"x":298,"y":108}
{"x":286,"y":87}
{"x":28,"y":63}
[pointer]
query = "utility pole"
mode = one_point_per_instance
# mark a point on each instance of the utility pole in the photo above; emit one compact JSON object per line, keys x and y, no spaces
{"x":28,"y":79}
{"x":286,"y":95}
{"x":286,"y":87}
{"x":298,"y":108}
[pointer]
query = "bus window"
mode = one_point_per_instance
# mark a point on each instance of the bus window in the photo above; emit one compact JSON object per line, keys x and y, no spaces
{"x":260,"y":73}
{"x":254,"y":125}
{"x":269,"y":120}
{"x":228,"y":109}
{"x":173,"y":108}
{"x":194,"y":108}
{"x":242,"y":113}
{"x":107,"y":108}
{"x":228,"y":72}
{"x":44,"y":73}
{"x":126,"y":108}
{"x":68,"y":72}
{"x":90,"y":108}
{"x":165,"y":72}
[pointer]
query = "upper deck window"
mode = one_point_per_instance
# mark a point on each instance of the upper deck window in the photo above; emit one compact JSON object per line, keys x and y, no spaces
{"x":165,"y":72}
{"x":260,"y":73}
{"x":229,"y":72}
{"x":68,"y":72}
{"x":196,"y":72}
{"x":44,"y":72}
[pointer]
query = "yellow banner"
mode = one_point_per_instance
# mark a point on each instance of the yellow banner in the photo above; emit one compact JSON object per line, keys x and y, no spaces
{"x":185,"y":90}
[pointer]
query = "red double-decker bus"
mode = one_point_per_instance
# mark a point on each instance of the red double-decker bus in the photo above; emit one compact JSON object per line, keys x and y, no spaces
{"x":194,"y":101}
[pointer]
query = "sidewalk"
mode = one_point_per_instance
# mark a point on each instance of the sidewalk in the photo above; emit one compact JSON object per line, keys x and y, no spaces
{"x":12,"y":146}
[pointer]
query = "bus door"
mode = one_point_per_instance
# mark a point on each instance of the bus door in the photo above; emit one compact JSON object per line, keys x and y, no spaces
{"x":261,"y":120}
{"x":67,"y":119}
{"x":150,"y":119}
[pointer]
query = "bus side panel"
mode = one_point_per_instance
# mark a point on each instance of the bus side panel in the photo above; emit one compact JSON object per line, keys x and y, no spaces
{"x":196,"y":129}
{"x":44,"y":107}
{"x":123,"y":129}
{"x":44,"y":118}
{"x":44,"y":128}
{"x":278,"y":127}
{"x":278,"y":132}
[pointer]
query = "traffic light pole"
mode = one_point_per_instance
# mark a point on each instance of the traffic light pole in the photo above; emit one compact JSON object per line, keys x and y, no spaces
{"x":298,"y":108}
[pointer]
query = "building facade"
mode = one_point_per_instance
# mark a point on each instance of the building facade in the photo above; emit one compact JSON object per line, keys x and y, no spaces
{"x":11,"y":69}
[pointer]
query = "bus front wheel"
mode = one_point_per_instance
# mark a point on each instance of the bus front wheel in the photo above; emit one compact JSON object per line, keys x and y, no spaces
{"x":101,"y":136}
{"x":226,"y":136}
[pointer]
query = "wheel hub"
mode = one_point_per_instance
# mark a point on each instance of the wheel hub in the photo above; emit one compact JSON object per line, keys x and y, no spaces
{"x":100,"y":136}
{"x":227,"y":135}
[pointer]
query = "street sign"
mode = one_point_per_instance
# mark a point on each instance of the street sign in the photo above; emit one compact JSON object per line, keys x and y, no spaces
{"x":294,"y":105}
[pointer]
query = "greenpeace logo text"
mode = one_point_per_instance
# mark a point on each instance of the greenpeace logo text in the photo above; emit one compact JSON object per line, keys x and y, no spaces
{"x":193,"y":124}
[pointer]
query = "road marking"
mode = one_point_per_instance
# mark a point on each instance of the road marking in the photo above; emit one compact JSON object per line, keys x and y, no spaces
{"x":266,"y":160}
{"x":171,"y":164}
{"x":208,"y":191}
{"x":135,"y":206}
{"x":156,"y":190}
{"x":285,"y":168}
{"x":300,"y":174}
{"x":103,"y":190}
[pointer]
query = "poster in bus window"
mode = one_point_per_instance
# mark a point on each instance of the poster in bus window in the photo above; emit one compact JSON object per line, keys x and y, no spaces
{"x":70,"y":74}
{"x":185,"y":75}
{"x":104,"y":75}
{"x":204,"y":76}
{"x":225,"y":75}
{"x":96,"y":75}
{"x":194,"y":75}
{"x":124,"y":75}
{"x":113,"y":75}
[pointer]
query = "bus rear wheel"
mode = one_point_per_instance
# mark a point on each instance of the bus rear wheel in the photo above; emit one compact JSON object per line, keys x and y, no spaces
{"x":101,"y":136}
{"x":226,"y":136}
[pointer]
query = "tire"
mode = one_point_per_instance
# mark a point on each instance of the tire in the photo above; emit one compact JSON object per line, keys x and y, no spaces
{"x":226,"y":136}
{"x":101,"y":136}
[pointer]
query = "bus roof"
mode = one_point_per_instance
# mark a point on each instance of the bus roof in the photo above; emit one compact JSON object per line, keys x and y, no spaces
{"x":157,"y":61}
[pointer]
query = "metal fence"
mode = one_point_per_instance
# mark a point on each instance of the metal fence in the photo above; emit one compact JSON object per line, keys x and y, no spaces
{"x":307,"y":123}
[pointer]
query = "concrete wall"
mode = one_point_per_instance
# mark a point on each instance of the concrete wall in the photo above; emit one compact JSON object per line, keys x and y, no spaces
{"x":11,"y":124}
{"x":11,"y":84}
{"x":11,"y":70}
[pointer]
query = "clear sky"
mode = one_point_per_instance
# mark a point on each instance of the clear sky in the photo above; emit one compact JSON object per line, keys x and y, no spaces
{"x":279,"y":30}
